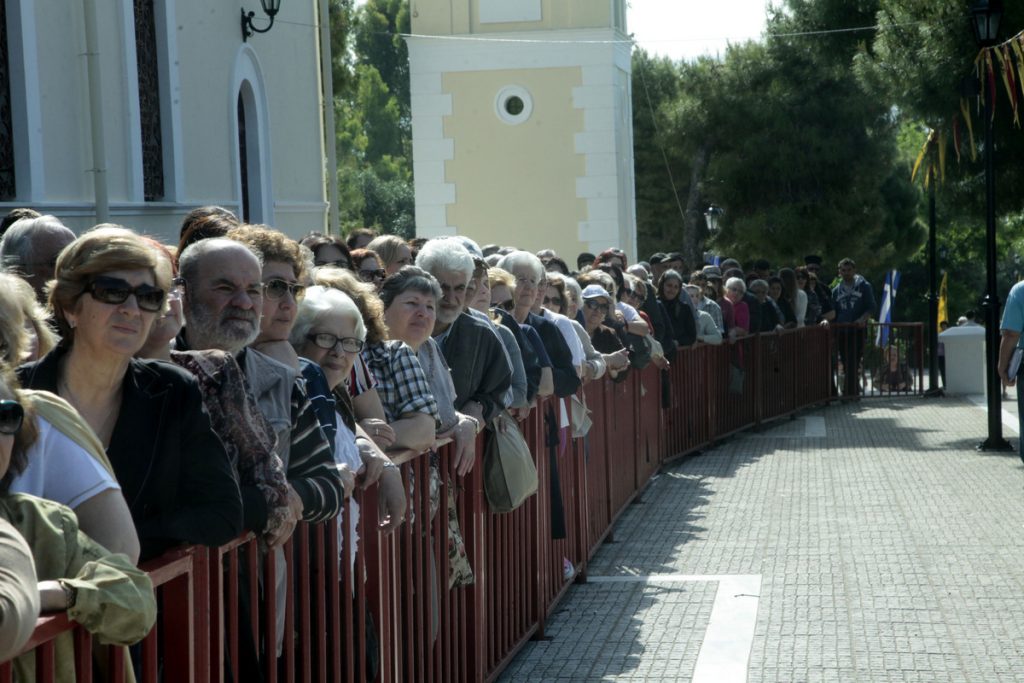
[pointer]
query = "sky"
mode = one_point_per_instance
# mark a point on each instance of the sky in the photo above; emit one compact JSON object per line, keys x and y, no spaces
{"x":685,"y":29}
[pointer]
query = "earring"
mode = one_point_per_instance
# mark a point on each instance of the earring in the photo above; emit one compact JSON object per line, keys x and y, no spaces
{"x":71,"y":324}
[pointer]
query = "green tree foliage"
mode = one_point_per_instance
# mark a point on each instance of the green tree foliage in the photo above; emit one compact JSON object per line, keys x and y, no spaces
{"x":373,"y":134}
{"x":799,"y":156}
{"x":922,"y":61}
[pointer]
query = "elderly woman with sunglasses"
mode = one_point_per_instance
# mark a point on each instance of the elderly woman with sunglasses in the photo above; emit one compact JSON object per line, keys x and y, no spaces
{"x":147,"y":415}
{"x":100,"y":590}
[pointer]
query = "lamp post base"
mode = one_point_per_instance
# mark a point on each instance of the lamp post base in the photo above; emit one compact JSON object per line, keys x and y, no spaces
{"x":995,"y":444}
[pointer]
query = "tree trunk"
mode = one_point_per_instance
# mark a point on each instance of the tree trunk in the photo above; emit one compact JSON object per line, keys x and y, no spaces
{"x":694,"y":229}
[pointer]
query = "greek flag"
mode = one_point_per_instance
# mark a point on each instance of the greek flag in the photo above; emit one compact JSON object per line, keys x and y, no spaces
{"x":892,"y":283}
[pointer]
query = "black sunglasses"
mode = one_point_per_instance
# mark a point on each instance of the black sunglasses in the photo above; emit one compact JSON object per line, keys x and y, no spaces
{"x":593,"y":305}
{"x":337,"y":263}
{"x":11,"y":417}
{"x":371,"y":275}
{"x":114,"y":290}
{"x":508,"y":305}
{"x":328,"y":341}
{"x":553,"y":301}
{"x":276,"y":288}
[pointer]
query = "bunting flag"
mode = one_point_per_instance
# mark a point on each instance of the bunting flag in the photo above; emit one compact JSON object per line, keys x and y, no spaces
{"x":892,"y":283}
{"x":999,"y":63}
{"x":943,"y":303}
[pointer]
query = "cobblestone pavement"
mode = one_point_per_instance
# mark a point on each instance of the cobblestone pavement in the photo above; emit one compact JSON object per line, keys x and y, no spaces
{"x":888,"y":549}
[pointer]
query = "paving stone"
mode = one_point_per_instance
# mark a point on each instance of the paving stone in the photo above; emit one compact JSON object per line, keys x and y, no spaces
{"x":889,"y":550}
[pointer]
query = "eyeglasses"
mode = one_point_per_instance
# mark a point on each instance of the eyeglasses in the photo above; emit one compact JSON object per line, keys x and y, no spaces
{"x":328,"y":341}
{"x":276,"y":288}
{"x":337,"y":263}
{"x":508,"y":305}
{"x":371,"y":275}
{"x":595,"y":306}
{"x":553,"y":301}
{"x":11,"y":417}
{"x":115,"y":291}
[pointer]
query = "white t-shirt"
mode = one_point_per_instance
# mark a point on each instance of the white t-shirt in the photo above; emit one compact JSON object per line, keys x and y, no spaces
{"x":579,"y":356}
{"x":347,"y":453}
{"x":60,"y":470}
{"x":629,"y":314}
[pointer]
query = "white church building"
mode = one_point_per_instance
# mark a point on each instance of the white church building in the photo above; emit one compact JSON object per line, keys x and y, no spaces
{"x":135,"y":112}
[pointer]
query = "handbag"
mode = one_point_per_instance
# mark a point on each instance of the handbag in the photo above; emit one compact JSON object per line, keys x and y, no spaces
{"x":510,"y":475}
{"x":579,"y":414}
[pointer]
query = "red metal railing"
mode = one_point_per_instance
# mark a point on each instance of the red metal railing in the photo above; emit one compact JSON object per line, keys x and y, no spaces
{"x":218,"y":612}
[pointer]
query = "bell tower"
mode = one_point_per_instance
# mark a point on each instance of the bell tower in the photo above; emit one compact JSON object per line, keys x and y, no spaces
{"x":522,"y":123}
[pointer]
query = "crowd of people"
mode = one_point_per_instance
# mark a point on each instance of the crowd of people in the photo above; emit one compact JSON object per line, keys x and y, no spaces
{"x":153,"y":395}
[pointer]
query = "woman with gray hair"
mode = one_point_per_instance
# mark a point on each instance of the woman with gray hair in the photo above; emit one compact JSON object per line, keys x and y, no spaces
{"x":330,"y":332}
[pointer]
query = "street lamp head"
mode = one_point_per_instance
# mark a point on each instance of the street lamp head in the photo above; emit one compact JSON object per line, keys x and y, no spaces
{"x":985,"y":16}
{"x":712,"y":215}
{"x":270,"y":7}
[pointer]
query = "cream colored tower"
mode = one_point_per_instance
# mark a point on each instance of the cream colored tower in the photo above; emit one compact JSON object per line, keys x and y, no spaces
{"x":522,"y":123}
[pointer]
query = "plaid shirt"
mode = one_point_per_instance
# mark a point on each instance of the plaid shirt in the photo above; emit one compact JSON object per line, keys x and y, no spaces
{"x":401,"y":382}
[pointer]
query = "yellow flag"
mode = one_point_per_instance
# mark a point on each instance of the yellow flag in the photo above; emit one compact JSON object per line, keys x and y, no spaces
{"x":943,"y":308}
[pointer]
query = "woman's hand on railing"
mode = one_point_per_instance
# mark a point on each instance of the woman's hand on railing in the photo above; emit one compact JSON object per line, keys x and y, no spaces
{"x":379,"y":431}
{"x":464,"y":452}
{"x":348,"y":480}
{"x":391,"y":498}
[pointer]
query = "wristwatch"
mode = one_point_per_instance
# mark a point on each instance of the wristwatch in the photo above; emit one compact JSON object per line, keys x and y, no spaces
{"x":70,"y":593}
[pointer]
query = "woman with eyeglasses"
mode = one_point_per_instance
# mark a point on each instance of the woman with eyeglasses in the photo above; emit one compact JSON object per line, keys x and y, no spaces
{"x":99,"y":589}
{"x":368,"y":267}
{"x":594,"y":365}
{"x":330,"y":332}
{"x":147,"y":415}
{"x":597,"y":304}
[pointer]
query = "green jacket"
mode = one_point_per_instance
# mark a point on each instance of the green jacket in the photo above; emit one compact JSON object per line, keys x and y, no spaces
{"x":115,"y":599}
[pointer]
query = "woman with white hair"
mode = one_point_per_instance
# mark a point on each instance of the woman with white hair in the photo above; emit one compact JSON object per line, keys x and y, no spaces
{"x":329,"y":331}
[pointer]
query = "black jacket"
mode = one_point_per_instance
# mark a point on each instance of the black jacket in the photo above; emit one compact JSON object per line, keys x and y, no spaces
{"x":172,"y":468}
{"x":564,"y":374}
{"x":531,"y":362}
{"x":480,"y":367}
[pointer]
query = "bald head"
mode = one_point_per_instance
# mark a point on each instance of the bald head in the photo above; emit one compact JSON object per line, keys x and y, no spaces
{"x":30,"y":248}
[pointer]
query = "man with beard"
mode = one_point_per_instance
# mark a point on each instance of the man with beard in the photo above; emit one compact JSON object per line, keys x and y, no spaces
{"x":480,"y":367}
{"x":223,"y":299}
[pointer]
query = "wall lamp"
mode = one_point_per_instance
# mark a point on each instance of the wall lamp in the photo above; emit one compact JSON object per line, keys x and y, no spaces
{"x":270,"y":8}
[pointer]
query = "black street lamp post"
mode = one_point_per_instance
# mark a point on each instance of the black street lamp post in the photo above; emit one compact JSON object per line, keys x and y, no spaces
{"x":933,"y":296}
{"x":986,"y":15}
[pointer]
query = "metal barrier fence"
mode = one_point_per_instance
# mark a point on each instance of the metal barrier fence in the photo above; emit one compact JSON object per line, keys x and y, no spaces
{"x":878,"y":359}
{"x":388,"y":614}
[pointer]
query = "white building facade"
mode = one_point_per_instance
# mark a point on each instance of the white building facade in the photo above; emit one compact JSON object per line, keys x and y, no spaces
{"x":137,"y":111}
{"x":522,"y":123}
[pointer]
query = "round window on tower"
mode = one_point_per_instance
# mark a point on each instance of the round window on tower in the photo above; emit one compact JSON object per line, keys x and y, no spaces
{"x":513,"y":104}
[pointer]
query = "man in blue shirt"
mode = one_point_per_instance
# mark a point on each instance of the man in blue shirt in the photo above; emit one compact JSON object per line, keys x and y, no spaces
{"x":854,"y":303}
{"x":1011,"y":329}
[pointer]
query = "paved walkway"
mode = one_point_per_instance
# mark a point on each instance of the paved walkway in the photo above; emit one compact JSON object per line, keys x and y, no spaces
{"x":861,"y":542}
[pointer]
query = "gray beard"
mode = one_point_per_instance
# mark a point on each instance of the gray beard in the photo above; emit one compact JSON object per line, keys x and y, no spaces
{"x":204,"y":330}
